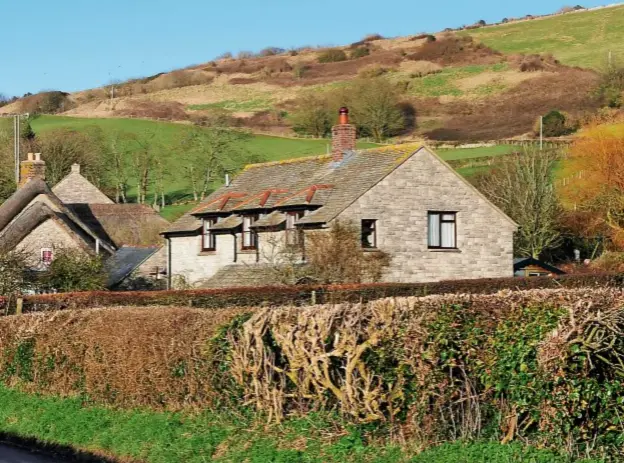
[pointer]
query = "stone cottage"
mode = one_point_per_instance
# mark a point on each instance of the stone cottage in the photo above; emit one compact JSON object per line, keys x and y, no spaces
{"x":404,"y":199}
{"x":75,"y":214}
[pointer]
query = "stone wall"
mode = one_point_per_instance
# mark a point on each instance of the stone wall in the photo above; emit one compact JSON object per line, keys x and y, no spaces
{"x":400,"y":203}
{"x":49,"y":234}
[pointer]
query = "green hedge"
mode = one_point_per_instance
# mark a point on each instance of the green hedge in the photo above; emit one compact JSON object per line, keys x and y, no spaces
{"x":304,"y":295}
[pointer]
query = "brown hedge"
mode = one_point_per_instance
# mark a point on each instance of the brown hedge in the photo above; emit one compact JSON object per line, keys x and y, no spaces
{"x":124,"y":356}
{"x":303,"y":295}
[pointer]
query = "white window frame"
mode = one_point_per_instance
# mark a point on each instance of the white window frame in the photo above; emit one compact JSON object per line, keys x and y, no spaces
{"x":207,"y":234}
{"x":43,"y":251}
{"x":435,"y":229}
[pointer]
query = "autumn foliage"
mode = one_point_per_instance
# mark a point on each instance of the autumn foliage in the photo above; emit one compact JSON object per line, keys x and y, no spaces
{"x":597,"y":161}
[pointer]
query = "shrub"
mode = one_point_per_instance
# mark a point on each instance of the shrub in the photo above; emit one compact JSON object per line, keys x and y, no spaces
{"x":132,"y":357}
{"x":271,"y":51}
{"x":610,"y":91}
{"x":313,"y":116}
{"x":359,"y":52}
{"x":556,"y":124}
{"x":372,"y":37}
{"x":226,"y":55}
{"x":372,"y":71}
{"x":299,"y":70}
{"x":245,"y":54}
{"x":332,"y":55}
{"x":74,"y":271}
{"x":430,"y":38}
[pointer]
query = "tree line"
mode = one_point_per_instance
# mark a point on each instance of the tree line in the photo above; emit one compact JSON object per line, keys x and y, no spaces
{"x":123,"y":162}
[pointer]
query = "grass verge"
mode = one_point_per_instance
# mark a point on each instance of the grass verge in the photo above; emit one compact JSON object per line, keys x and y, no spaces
{"x":160,"y":437}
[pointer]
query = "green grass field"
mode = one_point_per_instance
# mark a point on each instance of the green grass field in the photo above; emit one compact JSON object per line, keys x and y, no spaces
{"x":168,"y":135}
{"x":266,"y":147}
{"x":576,"y":39}
{"x":474,"y":153}
{"x":163,"y":437}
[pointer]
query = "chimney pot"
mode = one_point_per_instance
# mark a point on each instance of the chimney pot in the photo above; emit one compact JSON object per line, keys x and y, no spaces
{"x":343,"y":136}
{"x":31,"y":156}
{"x":37,"y":156}
{"x":75,"y":168}
{"x":343,"y":115}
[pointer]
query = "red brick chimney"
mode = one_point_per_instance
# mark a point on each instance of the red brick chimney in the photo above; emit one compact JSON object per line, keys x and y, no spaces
{"x":343,"y":136}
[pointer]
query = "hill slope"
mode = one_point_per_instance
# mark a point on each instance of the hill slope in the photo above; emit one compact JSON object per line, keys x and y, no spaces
{"x":576,"y":39}
{"x":461,"y":89}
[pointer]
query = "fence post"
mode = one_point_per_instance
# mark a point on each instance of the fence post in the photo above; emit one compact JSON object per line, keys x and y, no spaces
{"x":19,"y":306}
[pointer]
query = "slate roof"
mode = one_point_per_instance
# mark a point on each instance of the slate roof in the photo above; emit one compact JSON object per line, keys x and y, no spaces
{"x":273,"y":219}
{"x":314,"y":181}
{"x":123,"y":224}
{"x":125,"y":261}
{"x":75,"y":189}
{"x":228,"y":223}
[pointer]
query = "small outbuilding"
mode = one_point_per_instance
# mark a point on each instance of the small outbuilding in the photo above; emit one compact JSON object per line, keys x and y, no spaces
{"x":531,"y":267}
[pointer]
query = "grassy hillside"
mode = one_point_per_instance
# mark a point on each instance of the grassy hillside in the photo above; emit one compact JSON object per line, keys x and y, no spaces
{"x":168,"y":136}
{"x":448,"y":82}
{"x":576,"y":39}
{"x":267,"y":148}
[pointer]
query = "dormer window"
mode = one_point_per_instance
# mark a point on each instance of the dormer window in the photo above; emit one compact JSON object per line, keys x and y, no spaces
{"x":209,"y":240}
{"x":250,"y":238}
{"x":294,"y":236}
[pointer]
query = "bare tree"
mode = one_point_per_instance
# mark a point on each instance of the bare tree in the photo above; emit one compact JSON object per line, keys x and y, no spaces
{"x":209,"y":153}
{"x":64,"y":147}
{"x":144,"y":154}
{"x":117,"y":159}
{"x":522,"y":186}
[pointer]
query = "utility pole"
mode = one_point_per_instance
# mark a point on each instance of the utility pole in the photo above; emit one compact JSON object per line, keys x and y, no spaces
{"x":16,"y":145}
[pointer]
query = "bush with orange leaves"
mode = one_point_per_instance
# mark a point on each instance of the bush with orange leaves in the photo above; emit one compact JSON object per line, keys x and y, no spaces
{"x":597,"y":161}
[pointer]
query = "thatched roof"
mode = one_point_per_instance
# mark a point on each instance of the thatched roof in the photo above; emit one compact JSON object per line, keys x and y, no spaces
{"x":17,"y":218}
{"x":36,"y":214}
{"x":123,"y":224}
{"x":75,"y":189}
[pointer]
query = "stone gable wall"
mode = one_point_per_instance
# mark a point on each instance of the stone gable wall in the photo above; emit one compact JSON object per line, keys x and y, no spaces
{"x":400,"y":203}
{"x":49,"y":234}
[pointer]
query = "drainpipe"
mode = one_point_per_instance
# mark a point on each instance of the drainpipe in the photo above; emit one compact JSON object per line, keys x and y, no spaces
{"x":235,"y":247}
{"x":97,"y":247}
{"x":168,"y":263}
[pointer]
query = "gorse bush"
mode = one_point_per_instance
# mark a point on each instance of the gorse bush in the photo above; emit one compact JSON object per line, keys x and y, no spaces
{"x":359,"y":52}
{"x":332,"y":55}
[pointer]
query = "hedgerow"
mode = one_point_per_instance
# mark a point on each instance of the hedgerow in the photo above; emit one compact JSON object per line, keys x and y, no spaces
{"x":541,"y":366}
{"x":302,"y":295}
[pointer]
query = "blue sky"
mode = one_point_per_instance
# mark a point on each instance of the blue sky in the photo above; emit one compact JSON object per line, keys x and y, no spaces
{"x":77,"y":44}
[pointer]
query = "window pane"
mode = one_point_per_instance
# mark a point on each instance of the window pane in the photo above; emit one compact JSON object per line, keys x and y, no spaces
{"x":434,"y":229}
{"x":448,"y":235}
{"x":368,"y":234}
{"x":448,"y":217}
